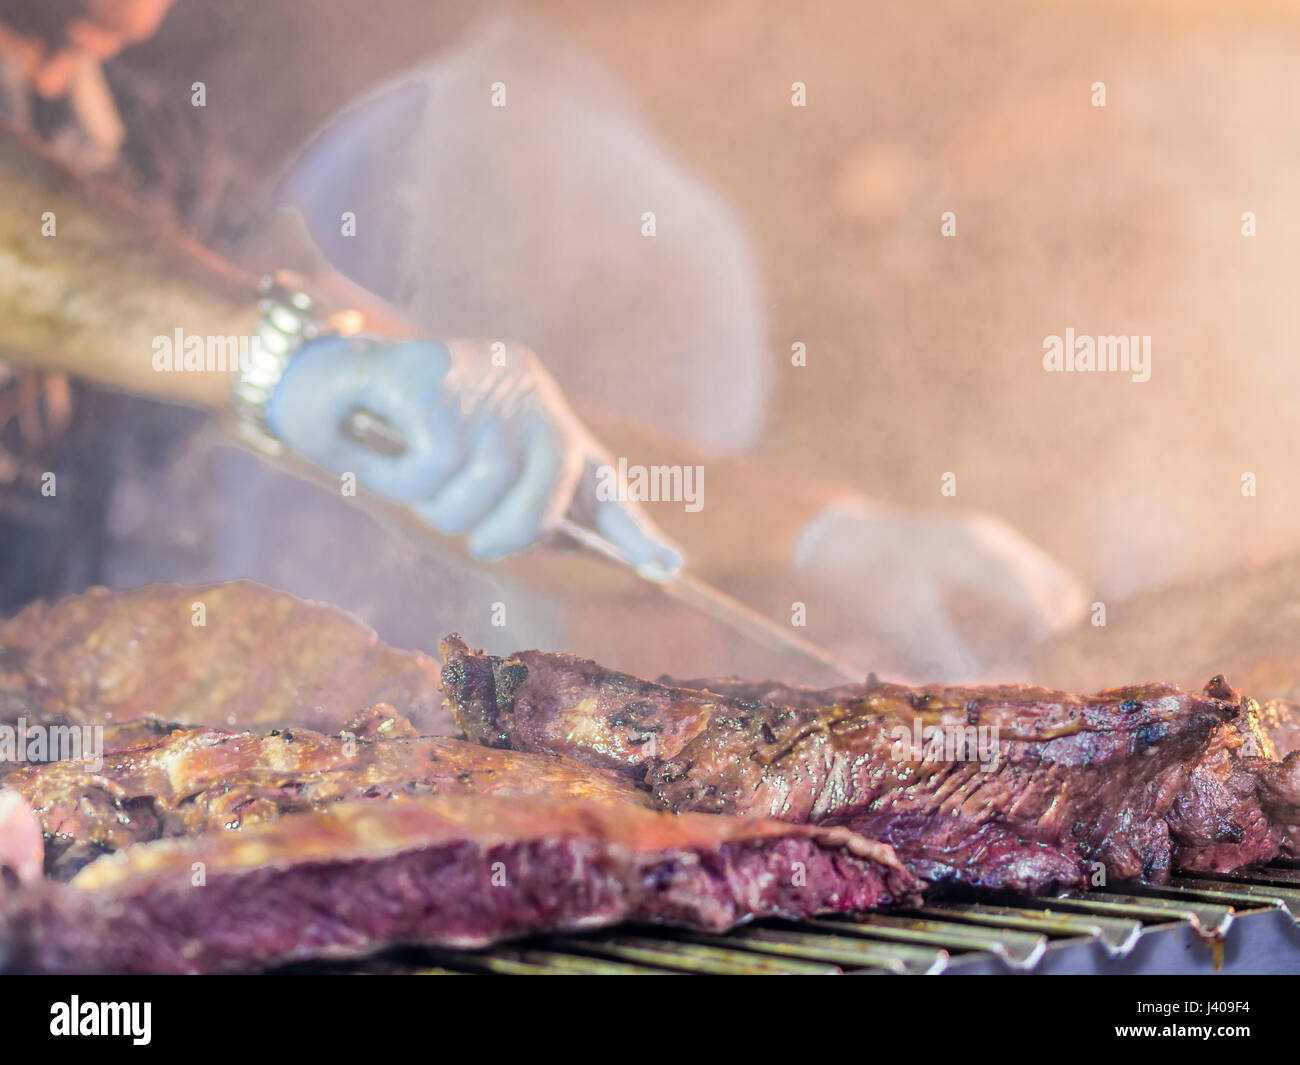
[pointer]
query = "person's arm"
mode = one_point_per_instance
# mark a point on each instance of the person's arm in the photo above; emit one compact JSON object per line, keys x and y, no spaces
{"x":95,"y":287}
{"x":89,"y":281}
{"x":92,"y":299}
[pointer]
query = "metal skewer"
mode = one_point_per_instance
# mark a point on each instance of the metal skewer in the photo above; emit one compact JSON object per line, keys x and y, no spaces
{"x":379,"y":435}
{"x":713,"y":602}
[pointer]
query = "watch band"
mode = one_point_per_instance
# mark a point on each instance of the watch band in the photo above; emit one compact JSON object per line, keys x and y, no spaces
{"x":286,"y":323}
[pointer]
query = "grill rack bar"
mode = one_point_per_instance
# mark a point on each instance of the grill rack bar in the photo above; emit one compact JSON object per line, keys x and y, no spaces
{"x":944,"y":936}
{"x":1117,"y":936}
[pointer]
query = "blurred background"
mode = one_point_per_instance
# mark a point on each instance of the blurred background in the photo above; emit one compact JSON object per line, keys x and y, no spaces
{"x":815,"y":225}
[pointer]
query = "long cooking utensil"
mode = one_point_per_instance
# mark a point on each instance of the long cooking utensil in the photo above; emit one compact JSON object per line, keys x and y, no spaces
{"x":381,"y":436}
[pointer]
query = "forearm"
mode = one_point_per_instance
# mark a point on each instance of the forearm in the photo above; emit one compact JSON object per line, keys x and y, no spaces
{"x":90,"y":284}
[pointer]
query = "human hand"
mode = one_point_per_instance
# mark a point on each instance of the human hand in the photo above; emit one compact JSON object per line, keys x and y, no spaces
{"x":492,"y":449}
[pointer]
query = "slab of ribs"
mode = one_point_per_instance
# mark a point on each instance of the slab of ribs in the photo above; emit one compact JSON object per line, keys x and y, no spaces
{"x":273,"y":784}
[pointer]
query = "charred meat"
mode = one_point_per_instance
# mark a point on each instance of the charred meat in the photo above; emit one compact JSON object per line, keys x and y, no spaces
{"x":197,"y":780}
{"x":1008,"y":787}
{"x":1219,"y":822}
{"x":1239,"y":807}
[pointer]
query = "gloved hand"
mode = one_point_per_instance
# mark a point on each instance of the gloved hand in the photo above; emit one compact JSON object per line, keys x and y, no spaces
{"x":493,"y":449}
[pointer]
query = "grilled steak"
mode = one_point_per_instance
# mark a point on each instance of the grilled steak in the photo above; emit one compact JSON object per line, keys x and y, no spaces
{"x":198,"y":780}
{"x":1234,"y":810}
{"x":1278,"y":789}
{"x":261,"y":659}
{"x":1271,"y":753}
{"x":773,"y":691}
{"x":452,"y":871}
{"x":1218,"y":821}
{"x":1242,"y":805}
{"x":1063,"y":781}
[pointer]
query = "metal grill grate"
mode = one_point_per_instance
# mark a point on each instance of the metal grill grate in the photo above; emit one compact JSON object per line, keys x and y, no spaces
{"x":1234,"y":922}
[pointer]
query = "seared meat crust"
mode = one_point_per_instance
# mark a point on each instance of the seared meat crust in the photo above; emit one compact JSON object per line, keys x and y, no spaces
{"x":198,"y":780}
{"x":1068,"y":780}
